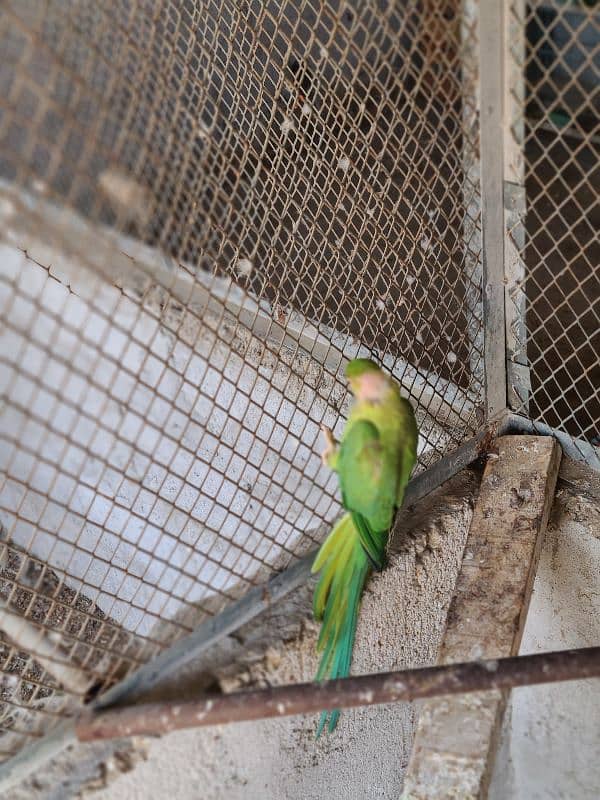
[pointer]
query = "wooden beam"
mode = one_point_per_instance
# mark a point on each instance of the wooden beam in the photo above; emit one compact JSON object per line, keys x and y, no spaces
{"x":456,"y":738}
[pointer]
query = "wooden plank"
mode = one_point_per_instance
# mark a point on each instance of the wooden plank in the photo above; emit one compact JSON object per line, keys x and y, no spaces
{"x":456,"y":738}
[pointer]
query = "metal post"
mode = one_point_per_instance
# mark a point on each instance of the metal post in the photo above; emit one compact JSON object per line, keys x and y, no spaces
{"x":491,"y":19}
{"x":473,"y":251}
{"x":515,"y":206}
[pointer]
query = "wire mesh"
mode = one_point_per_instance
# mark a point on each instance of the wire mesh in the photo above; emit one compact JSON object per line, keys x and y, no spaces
{"x":207,"y":207}
{"x":554,"y":220}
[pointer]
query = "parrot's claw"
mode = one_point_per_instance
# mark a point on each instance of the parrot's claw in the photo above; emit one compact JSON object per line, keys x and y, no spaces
{"x":330,"y":444}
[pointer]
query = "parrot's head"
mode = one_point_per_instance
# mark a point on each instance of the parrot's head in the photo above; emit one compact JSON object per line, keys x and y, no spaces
{"x":367,"y":382}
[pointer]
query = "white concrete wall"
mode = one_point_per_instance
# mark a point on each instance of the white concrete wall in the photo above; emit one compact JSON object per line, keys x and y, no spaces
{"x":551,"y":739}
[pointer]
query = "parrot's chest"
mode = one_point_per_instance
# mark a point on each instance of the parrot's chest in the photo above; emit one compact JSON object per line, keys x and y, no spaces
{"x":388,"y":424}
{"x":390,"y":437}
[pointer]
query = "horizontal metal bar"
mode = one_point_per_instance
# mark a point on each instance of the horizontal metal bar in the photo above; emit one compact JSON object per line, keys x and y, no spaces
{"x":155,"y":719}
{"x":542,"y":123}
{"x":576,"y":449}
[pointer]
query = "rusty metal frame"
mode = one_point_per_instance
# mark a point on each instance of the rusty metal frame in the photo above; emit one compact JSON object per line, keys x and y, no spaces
{"x":159,"y":718}
{"x":403,"y":686}
{"x":502,"y":194}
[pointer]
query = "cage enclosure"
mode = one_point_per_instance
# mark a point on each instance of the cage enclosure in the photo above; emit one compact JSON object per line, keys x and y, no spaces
{"x":207,"y":209}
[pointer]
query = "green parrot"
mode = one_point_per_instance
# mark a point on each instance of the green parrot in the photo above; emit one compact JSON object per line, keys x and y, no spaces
{"x":374,"y":461}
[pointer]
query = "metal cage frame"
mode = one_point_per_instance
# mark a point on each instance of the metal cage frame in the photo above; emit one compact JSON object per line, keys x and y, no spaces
{"x":497,"y":81}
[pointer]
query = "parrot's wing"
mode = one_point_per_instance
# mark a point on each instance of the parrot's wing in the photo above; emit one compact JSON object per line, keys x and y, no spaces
{"x":360,"y":464}
{"x":368,"y":483}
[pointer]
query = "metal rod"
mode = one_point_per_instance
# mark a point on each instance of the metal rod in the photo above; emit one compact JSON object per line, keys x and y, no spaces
{"x":388,"y":687}
{"x":491,"y":137}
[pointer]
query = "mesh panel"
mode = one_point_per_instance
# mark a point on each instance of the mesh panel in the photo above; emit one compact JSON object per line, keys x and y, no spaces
{"x":207,"y":208}
{"x":554,"y":225}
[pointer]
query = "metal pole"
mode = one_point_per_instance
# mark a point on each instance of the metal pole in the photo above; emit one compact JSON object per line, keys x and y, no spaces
{"x":491,"y":19}
{"x":515,"y":205}
{"x":388,"y":687}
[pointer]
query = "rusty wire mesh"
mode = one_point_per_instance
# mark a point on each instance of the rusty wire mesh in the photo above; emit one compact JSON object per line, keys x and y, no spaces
{"x":553,"y":218}
{"x":207,"y":207}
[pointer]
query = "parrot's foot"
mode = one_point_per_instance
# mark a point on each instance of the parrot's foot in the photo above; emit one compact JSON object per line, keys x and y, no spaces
{"x":330,"y":445}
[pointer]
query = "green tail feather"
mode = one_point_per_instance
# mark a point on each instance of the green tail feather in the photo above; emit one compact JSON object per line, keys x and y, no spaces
{"x":344,"y":567}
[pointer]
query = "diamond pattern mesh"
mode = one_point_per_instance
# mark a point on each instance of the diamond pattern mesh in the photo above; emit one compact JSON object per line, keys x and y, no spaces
{"x":207,"y":207}
{"x":556,"y":230}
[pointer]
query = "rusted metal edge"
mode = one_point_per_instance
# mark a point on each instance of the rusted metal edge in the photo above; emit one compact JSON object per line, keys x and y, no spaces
{"x":575,"y":449}
{"x":155,"y":719}
{"x":491,"y":133}
{"x":208,"y":633}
